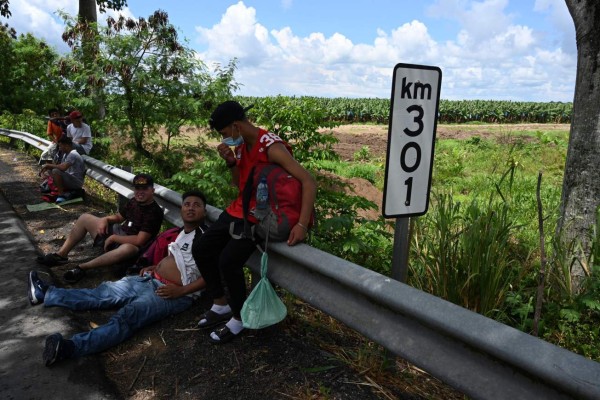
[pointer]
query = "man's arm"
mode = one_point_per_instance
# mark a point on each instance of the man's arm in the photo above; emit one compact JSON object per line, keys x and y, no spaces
{"x":174,"y":291}
{"x":86,"y":136}
{"x":137,"y":240}
{"x":278,"y":154}
{"x":62,"y":166}
{"x":103,"y":223}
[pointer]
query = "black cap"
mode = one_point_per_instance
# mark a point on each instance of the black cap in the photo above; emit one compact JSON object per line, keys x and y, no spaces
{"x":143,"y":180}
{"x":226,"y":113}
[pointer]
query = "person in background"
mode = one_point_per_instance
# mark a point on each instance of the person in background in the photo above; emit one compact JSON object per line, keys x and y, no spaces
{"x":69,"y":174}
{"x":55,"y":129}
{"x":159,"y":291}
{"x":217,"y":253}
{"x":80,"y":132}
{"x":125,"y":235}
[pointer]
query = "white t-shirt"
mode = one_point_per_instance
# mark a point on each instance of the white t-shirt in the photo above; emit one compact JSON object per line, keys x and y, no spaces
{"x":82,"y":132}
{"x":181,"y":250}
{"x":77,"y":168}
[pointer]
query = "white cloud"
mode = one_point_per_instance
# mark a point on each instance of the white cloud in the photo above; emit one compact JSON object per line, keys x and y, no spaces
{"x":490,"y":57}
{"x":41,"y":18}
{"x":237,"y":35}
{"x":286,"y":4}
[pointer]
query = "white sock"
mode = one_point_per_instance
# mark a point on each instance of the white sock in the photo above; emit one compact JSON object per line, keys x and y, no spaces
{"x":235,"y":326}
{"x":220,"y":309}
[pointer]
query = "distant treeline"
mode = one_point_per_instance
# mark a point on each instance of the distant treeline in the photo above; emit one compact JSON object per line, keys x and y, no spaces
{"x":451,"y":111}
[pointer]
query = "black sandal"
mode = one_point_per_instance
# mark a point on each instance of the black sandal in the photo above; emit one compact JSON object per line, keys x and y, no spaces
{"x":52,"y":259}
{"x":74,"y":275}
{"x":224,"y":335}
{"x":213,"y":319}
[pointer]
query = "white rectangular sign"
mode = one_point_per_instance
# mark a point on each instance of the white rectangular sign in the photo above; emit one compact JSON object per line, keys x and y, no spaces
{"x":411,"y":139}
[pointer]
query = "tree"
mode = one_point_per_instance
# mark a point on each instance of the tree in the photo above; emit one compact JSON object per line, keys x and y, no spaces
{"x":29,"y":79}
{"x":103,"y":4}
{"x":150,"y":79}
{"x":581,"y":185}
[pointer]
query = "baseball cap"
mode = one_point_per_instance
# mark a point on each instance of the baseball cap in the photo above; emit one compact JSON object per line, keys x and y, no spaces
{"x":143,"y":180}
{"x":227,"y":113}
{"x":75,"y":114}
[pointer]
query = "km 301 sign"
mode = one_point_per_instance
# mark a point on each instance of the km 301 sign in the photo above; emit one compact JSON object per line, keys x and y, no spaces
{"x":411,"y":138}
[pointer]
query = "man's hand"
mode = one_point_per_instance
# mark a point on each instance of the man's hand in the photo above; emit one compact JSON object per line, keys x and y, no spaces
{"x":102,"y":227}
{"x":226,"y":154}
{"x":297,"y":235}
{"x":170,"y":291}
{"x":109,"y":242}
{"x":147,"y":269}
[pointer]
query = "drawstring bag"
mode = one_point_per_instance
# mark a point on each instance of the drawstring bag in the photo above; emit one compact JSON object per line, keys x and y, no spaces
{"x":263,"y":307}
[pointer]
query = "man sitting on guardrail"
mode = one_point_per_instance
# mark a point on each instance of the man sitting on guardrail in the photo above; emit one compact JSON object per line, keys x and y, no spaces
{"x":68,"y":175}
{"x":158,"y":291}
{"x":55,"y":129}
{"x":124,"y":235}
{"x":80,"y":132}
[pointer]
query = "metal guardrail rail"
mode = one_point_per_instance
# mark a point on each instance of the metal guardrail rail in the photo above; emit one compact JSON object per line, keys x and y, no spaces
{"x":477,"y":355}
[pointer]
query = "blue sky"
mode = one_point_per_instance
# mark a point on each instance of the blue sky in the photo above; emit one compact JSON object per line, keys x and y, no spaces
{"x":521,"y":50}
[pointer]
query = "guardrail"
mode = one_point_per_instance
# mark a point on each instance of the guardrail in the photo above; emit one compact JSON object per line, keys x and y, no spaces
{"x":477,"y":355}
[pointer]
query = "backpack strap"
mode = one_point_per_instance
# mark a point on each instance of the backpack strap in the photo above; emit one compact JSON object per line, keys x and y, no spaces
{"x":246,"y":194}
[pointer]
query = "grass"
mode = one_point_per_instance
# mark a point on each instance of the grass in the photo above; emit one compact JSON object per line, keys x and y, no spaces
{"x":388,"y":376}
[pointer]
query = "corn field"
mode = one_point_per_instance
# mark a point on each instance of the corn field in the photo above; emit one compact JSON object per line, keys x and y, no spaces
{"x":372,"y":110}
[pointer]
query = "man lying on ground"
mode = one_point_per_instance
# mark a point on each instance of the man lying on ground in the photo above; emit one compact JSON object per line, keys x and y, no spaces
{"x":156,"y":293}
{"x":124,"y":234}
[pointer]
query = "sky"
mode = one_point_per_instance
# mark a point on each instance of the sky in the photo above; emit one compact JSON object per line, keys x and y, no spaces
{"x":518,"y":50}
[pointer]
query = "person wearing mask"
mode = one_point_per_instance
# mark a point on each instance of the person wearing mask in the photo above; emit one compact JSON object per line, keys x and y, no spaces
{"x":217,"y":253}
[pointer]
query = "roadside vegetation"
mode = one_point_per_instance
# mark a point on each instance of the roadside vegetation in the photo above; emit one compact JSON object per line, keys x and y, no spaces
{"x":479,"y":244}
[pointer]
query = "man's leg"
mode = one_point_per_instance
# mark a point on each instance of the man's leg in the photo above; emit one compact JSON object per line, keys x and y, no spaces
{"x":146,"y":308}
{"x":58,"y":181}
{"x":106,"y":295}
{"x":207,"y":251}
{"x":84,"y":224}
{"x":122,"y":253}
{"x":69,"y":182}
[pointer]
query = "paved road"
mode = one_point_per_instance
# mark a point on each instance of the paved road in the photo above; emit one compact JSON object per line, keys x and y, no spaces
{"x":23,"y":328}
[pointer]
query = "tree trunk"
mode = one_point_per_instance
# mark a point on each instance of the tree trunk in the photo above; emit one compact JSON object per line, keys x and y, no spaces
{"x":87,"y":11}
{"x":581,"y":184}
{"x":88,"y":15}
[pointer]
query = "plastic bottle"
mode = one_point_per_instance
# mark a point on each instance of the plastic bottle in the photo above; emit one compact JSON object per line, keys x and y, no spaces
{"x":262,"y":194}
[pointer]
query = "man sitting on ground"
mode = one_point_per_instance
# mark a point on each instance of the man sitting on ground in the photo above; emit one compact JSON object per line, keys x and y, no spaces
{"x":125,"y":234}
{"x":159,"y":291}
{"x":69,"y":174}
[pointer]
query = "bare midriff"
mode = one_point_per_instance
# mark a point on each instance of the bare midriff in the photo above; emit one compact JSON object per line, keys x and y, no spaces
{"x":167,"y":269}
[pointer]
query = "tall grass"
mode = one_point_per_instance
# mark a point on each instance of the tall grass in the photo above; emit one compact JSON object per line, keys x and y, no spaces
{"x":463,"y":254}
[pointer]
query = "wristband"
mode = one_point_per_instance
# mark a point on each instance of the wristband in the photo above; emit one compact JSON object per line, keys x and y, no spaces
{"x":303,"y":227}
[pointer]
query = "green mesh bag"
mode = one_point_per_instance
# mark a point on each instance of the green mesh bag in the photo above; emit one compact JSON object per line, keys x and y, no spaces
{"x":263,"y":307}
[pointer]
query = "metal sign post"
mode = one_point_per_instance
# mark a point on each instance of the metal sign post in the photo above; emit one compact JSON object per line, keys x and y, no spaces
{"x":411,"y":139}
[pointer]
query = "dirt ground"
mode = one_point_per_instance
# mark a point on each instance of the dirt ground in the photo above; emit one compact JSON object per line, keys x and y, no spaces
{"x":352,"y":138}
{"x":307,"y":356}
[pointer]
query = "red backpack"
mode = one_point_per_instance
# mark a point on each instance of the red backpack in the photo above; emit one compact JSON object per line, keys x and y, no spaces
{"x":52,"y":193}
{"x":284,"y":200}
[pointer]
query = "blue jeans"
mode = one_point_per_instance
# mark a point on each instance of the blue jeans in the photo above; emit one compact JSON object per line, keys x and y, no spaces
{"x":140,"y":306}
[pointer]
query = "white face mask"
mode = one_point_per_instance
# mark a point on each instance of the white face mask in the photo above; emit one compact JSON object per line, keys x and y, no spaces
{"x":231,"y":142}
